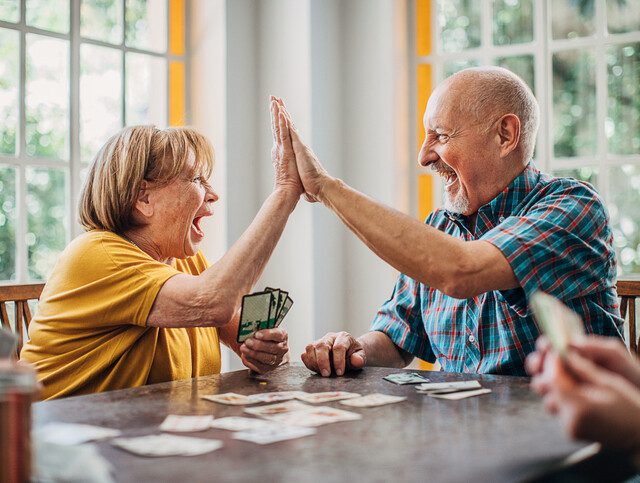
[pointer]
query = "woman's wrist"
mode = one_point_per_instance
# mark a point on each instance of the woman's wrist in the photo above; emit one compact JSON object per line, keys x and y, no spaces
{"x":289,"y":195}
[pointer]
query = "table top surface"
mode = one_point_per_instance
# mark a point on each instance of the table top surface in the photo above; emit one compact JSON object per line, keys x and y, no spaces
{"x":502,"y":436}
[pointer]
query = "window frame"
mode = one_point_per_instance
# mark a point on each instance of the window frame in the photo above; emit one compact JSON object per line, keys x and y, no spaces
{"x":20,"y":161}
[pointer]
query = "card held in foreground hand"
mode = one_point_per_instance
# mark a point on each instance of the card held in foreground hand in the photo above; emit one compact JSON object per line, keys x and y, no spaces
{"x":559,"y":323}
{"x":371,"y":400}
{"x":257,"y":313}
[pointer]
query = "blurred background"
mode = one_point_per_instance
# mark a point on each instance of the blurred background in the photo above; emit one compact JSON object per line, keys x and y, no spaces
{"x":355,"y":74}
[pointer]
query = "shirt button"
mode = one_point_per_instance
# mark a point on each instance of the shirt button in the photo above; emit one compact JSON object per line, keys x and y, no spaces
{"x":472,"y":339}
{"x":501,"y":219}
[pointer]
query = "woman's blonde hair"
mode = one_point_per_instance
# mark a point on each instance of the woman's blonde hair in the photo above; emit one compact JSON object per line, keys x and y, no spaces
{"x":135,"y":154}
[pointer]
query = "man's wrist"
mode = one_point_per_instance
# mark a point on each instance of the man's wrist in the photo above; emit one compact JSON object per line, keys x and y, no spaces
{"x":326,"y":186}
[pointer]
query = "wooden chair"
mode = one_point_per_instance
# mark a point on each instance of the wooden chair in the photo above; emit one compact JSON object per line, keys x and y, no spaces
{"x":19,"y":295}
{"x":628,"y":290}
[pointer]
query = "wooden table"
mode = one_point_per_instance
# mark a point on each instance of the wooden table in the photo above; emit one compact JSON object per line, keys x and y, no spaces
{"x":502,"y":436}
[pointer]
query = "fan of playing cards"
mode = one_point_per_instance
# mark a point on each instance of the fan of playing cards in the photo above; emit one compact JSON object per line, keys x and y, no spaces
{"x":262,"y":310}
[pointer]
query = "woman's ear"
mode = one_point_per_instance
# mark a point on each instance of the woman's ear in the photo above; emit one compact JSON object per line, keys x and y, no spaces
{"x":508,"y":134}
{"x":143,"y":202}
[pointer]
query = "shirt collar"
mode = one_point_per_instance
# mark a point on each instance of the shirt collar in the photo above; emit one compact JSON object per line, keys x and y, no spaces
{"x":506,"y":202}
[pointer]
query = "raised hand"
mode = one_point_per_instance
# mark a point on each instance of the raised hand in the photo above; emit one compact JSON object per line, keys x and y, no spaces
{"x":312,"y":173}
{"x":282,"y":154}
{"x":340,"y":351}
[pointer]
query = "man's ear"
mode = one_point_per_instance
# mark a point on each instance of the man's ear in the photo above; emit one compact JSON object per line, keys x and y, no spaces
{"x":508,"y":133}
{"x":143,"y":201}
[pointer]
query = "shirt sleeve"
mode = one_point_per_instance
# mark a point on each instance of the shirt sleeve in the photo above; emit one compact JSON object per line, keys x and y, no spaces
{"x":562,"y":245}
{"x":400,"y":318}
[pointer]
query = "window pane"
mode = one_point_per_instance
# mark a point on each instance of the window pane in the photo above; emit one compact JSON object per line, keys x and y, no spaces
{"x":147,"y":24}
{"x":46,"y":219}
{"x":47,"y":99}
{"x":623,"y":16}
{"x":453,"y":66}
{"x":588,"y":174}
{"x":9,"y":60}
{"x":102,"y":20}
{"x":624,"y":182}
{"x":49,"y":15}
{"x":100,"y":97}
{"x":10,"y":10}
{"x":146,"y":98}
{"x":7,"y":223}
{"x":571,"y":18}
{"x":459,"y":23}
{"x":574,"y":103}
{"x":512,"y":21}
{"x":521,"y":65}
{"x":623,"y":119}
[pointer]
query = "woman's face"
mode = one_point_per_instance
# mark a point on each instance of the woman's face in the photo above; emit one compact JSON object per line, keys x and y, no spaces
{"x":179,"y":208}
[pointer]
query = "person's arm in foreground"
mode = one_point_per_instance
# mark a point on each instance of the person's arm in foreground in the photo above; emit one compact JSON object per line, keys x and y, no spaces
{"x":213,"y":297}
{"x":595,"y":391}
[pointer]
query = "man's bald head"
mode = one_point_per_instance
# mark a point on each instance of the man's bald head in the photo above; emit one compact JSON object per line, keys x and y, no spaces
{"x":488,"y":93}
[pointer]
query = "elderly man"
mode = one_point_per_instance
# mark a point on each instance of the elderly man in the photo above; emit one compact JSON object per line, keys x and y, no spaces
{"x":506,"y":230}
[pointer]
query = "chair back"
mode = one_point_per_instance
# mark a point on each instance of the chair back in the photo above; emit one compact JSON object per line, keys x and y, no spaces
{"x":19,"y":295}
{"x":628,"y":290}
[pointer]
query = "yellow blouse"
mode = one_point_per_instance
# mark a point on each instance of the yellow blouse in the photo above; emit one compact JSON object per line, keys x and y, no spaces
{"x":89,"y":333}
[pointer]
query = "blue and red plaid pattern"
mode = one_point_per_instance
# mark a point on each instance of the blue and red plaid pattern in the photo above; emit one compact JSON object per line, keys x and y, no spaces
{"x":555,"y":233}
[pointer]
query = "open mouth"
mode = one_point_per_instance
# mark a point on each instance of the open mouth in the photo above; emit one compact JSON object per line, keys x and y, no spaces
{"x":445,"y":172}
{"x":196,"y":225}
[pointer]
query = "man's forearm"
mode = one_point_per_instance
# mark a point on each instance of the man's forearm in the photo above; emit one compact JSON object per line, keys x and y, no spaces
{"x":380,"y":351}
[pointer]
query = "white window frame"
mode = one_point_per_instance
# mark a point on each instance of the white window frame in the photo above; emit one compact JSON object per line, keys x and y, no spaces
{"x":21,"y":161}
{"x":542,"y":49}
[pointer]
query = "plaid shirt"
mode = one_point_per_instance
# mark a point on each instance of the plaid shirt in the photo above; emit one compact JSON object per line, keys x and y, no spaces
{"x":556,"y":236}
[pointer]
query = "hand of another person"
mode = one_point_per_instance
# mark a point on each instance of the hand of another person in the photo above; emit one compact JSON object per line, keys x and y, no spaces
{"x":282,"y":155}
{"x":312,"y":173}
{"x":592,"y":403}
{"x":266,"y":350}
{"x":341,"y":351}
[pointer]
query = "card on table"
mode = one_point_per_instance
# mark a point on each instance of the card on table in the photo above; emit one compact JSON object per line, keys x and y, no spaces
{"x":560,"y":324}
{"x":230,"y":398}
{"x":274,"y":434}
{"x":280,"y":408}
{"x":69,"y":434}
{"x":322,"y":397}
{"x":277,"y":396}
{"x":167,"y":445}
{"x":446,"y":386}
{"x":371,"y":400}
{"x":185,"y":424}
{"x":239,"y":423}
{"x":315,"y":416}
{"x":460,"y":394}
{"x":257,"y":313}
{"x":406,"y":378}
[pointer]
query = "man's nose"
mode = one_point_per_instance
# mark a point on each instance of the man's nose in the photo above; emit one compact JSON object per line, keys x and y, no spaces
{"x":426,"y":154}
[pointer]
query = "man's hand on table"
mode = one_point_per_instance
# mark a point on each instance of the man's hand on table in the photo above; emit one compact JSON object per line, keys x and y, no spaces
{"x":338,"y":351}
{"x":265,"y":350}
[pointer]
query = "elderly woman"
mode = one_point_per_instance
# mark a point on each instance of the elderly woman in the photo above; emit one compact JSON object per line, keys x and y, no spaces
{"x":132,"y":301}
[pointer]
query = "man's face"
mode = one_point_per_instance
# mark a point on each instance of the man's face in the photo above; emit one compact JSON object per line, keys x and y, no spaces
{"x":460,"y":150}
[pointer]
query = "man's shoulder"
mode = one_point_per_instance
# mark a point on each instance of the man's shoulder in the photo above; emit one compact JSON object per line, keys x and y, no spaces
{"x":564,"y":190}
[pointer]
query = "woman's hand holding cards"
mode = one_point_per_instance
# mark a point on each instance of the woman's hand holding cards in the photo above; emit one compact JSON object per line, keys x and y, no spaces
{"x":265,"y":350}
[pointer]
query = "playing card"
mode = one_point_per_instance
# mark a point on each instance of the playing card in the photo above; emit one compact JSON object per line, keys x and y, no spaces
{"x":280,"y":296}
{"x":272,"y":397}
{"x":238,"y":423}
{"x":286,"y":306}
{"x":274,"y":434}
{"x":257,"y":313}
{"x":68,"y":434}
{"x":460,"y":394}
{"x":322,"y":397}
{"x":406,"y":378}
{"x":558,"y":322}
{"x":167,"y":445}
{"x":315,"y":416}
{"x":8,"y":343}
{"x":280,"y":408}
{"x":371,"y":400}
{"x":444,"y":386}
{"x":230,"y":398}
{"x":179,"y":424}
